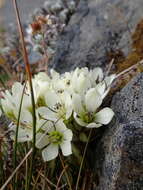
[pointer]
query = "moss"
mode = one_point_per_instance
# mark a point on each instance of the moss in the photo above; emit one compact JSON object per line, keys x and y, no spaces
{"x":122,"y":63}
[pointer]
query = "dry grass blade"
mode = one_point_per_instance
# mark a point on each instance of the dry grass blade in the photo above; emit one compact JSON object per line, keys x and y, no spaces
{"x":14,"y":172}
{"x":48,"y":181}
{"x":129,"y":69}
{"x":59,"y":179}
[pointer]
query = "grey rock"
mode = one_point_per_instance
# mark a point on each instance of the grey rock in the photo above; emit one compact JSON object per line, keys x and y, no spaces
{"x":119,"y":153}
{"x":34,"y":57}
{"x":97,"y":27}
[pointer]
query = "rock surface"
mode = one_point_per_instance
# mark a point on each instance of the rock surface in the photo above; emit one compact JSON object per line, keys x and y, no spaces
{"x":7,"y":14}
{"x":119,"y":154}
{"x":97,"y":28}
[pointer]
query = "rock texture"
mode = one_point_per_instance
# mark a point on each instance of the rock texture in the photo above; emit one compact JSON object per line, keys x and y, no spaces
{"x":119,"y":154}
{"x":97,"y":28}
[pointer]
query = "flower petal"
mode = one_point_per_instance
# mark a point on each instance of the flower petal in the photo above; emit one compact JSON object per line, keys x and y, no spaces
{"x":47,"y":113}
{"x":92,"y":100}
{"x":50,"y":152}
{"x":93,"y":125}
{"x":77,"y":104}
{"x":51,"y":98}
{"x":41,"y":140}
{"x":68,"y":135}
{"x":24,"y":135}
{"x":104,"y":116}
{"x":79,"y":121}
{"x":60,"y":126}
{"x":66,"y":148}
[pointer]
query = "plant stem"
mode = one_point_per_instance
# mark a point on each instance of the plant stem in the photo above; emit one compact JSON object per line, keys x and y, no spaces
{"x":67,"y":177}
{"x":84,"y":153}
{"x":29,"y":74}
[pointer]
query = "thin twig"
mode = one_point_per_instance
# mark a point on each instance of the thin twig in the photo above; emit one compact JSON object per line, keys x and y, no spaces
{"x":67,"y":177}
{"x":59,"y":179}
{"x":129,"y":69}
{"x":109,"y":67}
{"x":52,"y":184}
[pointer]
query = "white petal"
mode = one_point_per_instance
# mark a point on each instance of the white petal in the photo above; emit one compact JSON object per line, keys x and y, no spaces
{"x":26,"y":117}
{"x":50,"y":152}
{"x":17,"y":89}
{"x":96,"y":73}
{"x":41,"y":140}
{"x":104,"y":116}
{"x":92,"y":100}
{"x":101,"y":87}
{"x":24,"y":135}
{"x":93,"y":125}
{"x":82,"y":84}
{"x":77,"y":104}
{"x":79,"y":121}
{"x":51,"y":98}
{"x":47,"y":113}
{"x":43,"y":124}
{"x":68,"y":112}
{"x":68,"y":135}
{"x":66,"y":148}
{"x":54,"y":74}
{"x":60,"y":126}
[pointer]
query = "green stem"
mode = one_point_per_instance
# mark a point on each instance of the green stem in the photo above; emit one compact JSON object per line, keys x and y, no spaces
{"x":81,"y":165}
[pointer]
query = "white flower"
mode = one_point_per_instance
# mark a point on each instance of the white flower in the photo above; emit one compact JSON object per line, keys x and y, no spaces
{"x":25,"y":130}
{"x":41,"y":84}
{"x":96,"y":76}
{"x":80,"y":81}
{"x":11,"y":101}
{"x":56,"y":136}
{"x":59,"y":106}
{"x":85,"y":109}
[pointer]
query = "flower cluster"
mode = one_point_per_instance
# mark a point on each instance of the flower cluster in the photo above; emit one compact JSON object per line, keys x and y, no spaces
{"x":59,"y":99}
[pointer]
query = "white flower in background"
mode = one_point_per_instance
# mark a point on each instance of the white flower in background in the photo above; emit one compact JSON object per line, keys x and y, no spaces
{"x":25,"y":130}
{"x":96,"y":76}
{"x":80,"y":81}
{"x":41,"y":84}
{"x":11,"y":101}
{"x":86,"y":110}
{"x":54,"y":136}
{"x":58,"y":106}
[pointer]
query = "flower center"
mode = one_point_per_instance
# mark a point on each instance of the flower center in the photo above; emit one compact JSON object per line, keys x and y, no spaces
{"x":87,"y":117}
{"x":56,"y":137}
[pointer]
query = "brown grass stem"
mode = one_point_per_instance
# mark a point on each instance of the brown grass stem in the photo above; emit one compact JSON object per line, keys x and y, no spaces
{"x":29,"y":75}
{"x":66,"y":174}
